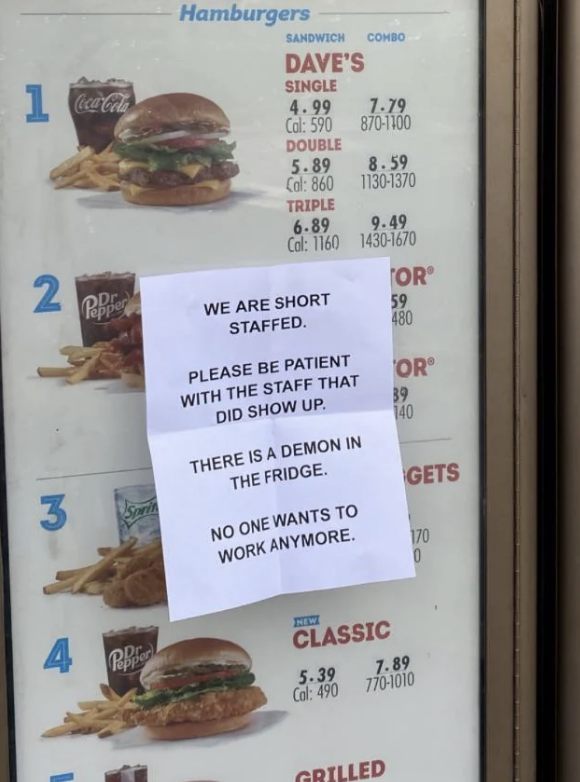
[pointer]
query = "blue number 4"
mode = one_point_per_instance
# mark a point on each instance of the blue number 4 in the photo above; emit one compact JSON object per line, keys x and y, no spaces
{"x":62,"y":777}
{"x":37,"y":114}
{"x":54,"y":502}
{"x":59,"y":656}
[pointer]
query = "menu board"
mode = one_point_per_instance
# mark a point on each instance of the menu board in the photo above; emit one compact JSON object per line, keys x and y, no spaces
{"x":144,"y":138}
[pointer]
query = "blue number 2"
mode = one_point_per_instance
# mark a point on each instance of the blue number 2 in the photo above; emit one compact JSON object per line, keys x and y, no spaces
{"x":54,"y":502}
{"x":37,"y":114}
{"x":46,"y":304}
{"x":59,"y":656}
{"x":62,"y":777}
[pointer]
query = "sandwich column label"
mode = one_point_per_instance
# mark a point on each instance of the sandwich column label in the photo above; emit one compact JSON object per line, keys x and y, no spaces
{"x":165,"y":139}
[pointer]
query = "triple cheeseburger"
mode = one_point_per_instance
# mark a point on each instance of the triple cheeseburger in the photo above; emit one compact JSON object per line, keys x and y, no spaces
{"x":173,"y":151}
{"x":196,"y":688}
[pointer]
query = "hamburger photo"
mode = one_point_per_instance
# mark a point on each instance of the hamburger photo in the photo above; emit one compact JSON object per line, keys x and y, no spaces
{"x":201,"y":687}
{"x":129,"y":343}
{"x":173,"y":152}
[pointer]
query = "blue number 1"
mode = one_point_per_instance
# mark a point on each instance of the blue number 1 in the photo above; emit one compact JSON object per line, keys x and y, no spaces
{"x":37,"y":114}
{"x":62,"y":777}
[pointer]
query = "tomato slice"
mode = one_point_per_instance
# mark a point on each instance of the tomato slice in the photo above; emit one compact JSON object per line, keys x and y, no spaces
{"x":187,"y":142}
{"x":174,"y":682}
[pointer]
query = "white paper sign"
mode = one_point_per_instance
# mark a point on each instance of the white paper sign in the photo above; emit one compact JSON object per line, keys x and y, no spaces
{"x":272,"y":434}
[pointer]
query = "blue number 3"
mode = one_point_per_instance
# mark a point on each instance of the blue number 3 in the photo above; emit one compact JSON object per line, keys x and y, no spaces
{"x":54,"y":502}
{"x":59,"y":656}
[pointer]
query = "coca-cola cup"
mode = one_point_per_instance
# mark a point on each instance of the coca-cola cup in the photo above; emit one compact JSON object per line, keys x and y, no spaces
{"x":96,"y":107}
{"x":101,"y":299}
{"x":126,"y":653}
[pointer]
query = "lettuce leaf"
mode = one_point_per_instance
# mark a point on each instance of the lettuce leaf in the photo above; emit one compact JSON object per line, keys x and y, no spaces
{"x":161,"y":697}
{"x":167,"y":159}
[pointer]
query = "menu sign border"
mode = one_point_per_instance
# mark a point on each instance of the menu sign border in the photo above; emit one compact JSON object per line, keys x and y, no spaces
{"x":509,"y":555}
{"x":508,"y":36}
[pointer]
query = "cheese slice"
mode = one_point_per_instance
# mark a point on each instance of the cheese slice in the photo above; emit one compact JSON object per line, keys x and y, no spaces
{"x":211,"y":184}
{"x":128,"y":165}
{"x":192,"y":170}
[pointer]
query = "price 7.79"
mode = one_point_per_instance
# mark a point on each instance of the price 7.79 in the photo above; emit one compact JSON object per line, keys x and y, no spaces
{"x":389,"y":114}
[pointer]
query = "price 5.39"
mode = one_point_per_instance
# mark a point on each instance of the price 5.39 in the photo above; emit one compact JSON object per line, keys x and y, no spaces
{"x":318,"y":676}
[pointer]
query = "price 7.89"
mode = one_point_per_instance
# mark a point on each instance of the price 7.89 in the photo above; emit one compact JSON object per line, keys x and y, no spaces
{"x":392,"y":674}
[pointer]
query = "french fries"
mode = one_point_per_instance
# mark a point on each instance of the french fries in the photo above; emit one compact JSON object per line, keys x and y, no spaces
{"x":97,"y":363}
{"x":125,"y":576}
{"x":88,"y":170}
{"x":103,"y":717}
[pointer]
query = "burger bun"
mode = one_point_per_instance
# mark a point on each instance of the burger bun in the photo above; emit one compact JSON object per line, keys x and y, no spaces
{"x":196,"y":730}
{"x":173,"y":109}
{"x":183,"y":195}
{"x":133,"y":380}
{"x":133,"y":306}
{"x":186,"y":655}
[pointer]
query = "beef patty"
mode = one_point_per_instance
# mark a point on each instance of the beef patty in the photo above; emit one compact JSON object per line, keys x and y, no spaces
{"x":162,"y":178}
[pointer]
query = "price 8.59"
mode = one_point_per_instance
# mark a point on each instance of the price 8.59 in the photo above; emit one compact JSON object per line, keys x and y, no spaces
{"x":394,"y":173}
